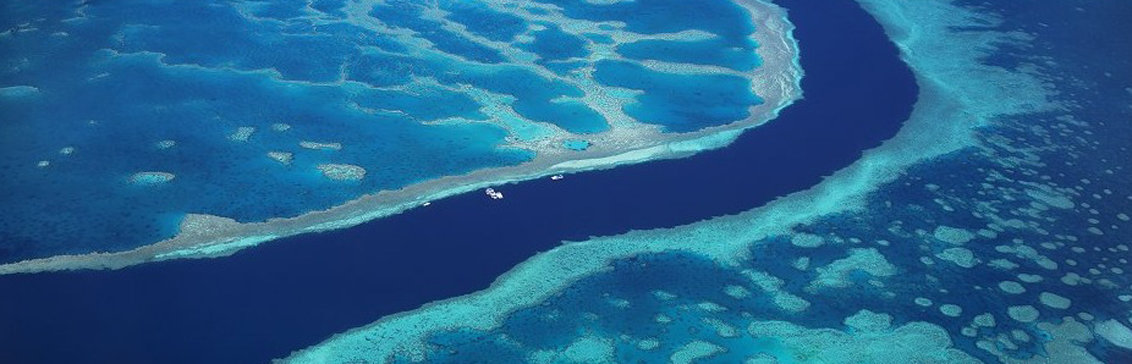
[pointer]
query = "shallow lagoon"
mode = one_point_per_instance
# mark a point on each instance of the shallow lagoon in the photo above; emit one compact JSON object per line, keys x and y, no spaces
{"x":406,"y":93}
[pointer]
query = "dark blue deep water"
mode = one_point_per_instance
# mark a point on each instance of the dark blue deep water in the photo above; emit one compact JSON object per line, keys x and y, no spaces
{"x":1082,"y":148}
{"x":264,"y":302}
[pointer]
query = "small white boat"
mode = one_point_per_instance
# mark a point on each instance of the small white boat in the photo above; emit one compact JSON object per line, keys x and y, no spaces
{"x":557,"y":177}
{"x":495,"y":195}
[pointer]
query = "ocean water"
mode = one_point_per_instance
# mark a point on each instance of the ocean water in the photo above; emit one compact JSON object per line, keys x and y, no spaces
{"x":121,"y":118}
{"x":273,"y":299}
{"x":992,"y":227}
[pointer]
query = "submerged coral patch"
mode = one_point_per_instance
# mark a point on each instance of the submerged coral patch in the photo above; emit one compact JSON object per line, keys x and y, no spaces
{"x":342,"y":172}
{"x":151,"y":178}
{"x":989,"y":229}
{"x":435,"y":98}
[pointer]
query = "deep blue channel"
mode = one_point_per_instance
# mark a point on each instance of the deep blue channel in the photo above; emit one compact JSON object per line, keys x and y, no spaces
{"x":264,"y":302}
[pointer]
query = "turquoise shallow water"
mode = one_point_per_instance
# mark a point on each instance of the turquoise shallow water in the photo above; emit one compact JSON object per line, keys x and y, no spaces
{"x":121,"y":118}
{"x":993,"y":227}
{"x":711,"y":52}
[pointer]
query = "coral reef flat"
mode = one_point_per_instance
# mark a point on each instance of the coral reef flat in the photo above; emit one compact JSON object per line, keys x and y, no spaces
{"x":1008,"y":168}
{"x":276,"y":298}
{"x":421,"y":101}
{"x":952,"y":188}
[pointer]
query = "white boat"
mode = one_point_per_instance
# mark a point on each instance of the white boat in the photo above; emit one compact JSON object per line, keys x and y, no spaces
{"x":557,"y":177}
{"x":495,"y":195}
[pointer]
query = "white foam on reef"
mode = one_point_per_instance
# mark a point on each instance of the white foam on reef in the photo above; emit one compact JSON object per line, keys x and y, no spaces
{"x":957,"y":95}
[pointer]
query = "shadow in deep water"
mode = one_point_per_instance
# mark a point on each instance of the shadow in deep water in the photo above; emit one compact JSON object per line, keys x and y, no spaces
{"x":264,"y":302}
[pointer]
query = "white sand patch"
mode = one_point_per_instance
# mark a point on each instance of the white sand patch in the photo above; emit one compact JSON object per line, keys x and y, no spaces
{"x":342,"y":172}
{"x":151,"y":178}
{"x":242,"y":134}
{"x":320,"y":146}
{"x":282,"y":157}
